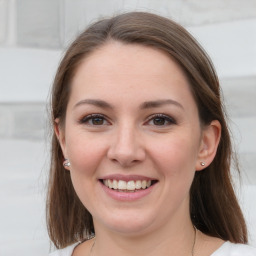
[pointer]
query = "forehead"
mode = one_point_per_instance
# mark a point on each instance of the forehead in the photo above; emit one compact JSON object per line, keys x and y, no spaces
{"x":129,"y":55}
{"x":123,"y":59}
{"x":129,"y":70}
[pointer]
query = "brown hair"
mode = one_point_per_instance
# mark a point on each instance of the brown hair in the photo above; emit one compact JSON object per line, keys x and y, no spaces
{"x":213,"y":205}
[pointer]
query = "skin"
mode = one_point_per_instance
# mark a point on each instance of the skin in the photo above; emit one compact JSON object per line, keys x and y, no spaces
{"x":128,"y":139}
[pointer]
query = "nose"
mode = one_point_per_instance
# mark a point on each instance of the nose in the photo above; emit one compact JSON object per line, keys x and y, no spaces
{"x":126,"y":147}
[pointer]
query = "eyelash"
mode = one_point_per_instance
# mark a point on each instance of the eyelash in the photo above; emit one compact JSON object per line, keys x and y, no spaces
{"x":168,"y":119}
{"x":86,"y":119}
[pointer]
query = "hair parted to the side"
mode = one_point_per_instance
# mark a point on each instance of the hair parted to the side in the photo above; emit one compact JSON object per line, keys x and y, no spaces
{"x":213,"y":205}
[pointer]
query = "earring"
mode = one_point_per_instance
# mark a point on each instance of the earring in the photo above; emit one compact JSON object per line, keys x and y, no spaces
{"x":66,"y":163}
{"x":202,"y":163}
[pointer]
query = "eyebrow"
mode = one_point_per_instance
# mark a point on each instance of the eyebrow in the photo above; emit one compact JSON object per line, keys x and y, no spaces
{"x":95,"y":102}
{"x":160,"y":103}
{"x":144,"y":105}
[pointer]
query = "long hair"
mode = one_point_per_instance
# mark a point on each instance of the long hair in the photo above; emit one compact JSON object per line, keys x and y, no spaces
{"x":214,"y":208}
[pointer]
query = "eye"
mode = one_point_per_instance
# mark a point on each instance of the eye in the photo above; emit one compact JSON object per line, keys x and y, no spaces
{"x":161,"y":120}
{"x":94,"y":120}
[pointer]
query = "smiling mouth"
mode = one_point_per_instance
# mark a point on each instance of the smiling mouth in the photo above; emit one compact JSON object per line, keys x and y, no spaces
{"x":128,"y":186}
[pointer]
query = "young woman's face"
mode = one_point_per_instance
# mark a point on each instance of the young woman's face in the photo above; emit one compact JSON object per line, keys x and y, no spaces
{"x":132,"y":122}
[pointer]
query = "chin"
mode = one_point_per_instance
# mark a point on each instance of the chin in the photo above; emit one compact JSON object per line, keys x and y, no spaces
{"x":128,"y":224}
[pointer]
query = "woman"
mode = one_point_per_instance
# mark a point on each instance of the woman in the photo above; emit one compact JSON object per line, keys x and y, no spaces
{"x":141,"y":152}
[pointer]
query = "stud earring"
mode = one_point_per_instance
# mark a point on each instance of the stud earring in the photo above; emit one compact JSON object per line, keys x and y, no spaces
{"x":202,"y":163}
{"x":66,"y":163}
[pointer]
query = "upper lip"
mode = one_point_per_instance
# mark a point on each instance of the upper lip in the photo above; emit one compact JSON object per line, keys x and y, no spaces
{"x":126,"y":177}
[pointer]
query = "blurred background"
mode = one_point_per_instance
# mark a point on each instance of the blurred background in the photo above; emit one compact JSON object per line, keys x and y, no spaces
{"x":34,"y":35}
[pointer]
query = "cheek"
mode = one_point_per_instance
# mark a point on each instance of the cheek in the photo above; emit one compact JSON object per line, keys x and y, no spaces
{"x":85,"y":157}
{"x":85,"y":154}
{"x":175,"y":162}
{"x":176,"y":156}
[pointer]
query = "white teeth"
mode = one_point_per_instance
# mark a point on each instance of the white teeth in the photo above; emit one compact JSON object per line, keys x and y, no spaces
{"x":144,"y":184}
{"x":138,"y":184}
{"x":131,"y":185}
{"x":122,"y":184}
{"x":115,"y":184}
{"x":110,"y":184}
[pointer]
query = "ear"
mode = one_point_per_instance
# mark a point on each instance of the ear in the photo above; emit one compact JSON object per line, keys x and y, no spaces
{"x":60,"y":134}
{"x":209,"y":143}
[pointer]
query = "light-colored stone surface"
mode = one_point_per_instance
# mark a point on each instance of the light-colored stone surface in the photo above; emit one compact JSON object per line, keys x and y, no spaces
{"x":239,"y":98}
{"x":38,"y":23}
{"x":240,"y":95}
{"x":231,"y":46}
{"x":195,"y":13}
{"x":189,"y":13}
{"x":27,"y":74}
{"x":23,"y":121}
{"x":22,"y":198}
{"x":3,"y":20}
{"x":186,"y":12}
{"x":244,"y":138}
{"x":53,"y":23}
{"x":248,"y":163}
{"x":246,"y":195}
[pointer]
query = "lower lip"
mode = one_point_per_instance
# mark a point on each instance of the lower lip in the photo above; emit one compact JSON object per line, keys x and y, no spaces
{"x":127,"y":196}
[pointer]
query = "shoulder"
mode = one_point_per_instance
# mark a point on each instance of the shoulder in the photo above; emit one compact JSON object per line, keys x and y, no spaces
{"x":64,"y":252}
{"x":231,"y":249}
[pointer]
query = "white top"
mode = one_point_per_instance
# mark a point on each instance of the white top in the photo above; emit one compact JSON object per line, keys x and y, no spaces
{"x":227,"y":249}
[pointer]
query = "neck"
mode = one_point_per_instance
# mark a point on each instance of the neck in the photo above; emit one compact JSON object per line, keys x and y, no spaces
{"x":177,"y":240}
